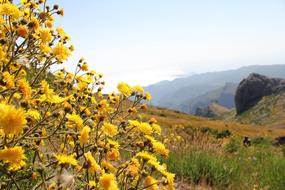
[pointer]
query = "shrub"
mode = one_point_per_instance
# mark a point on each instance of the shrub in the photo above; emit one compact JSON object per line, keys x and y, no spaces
{"x":209,"y":130}
{"x":233,"y":146}
{"x":57,"y":129}
{"x":224,"y":134}
{"x":262,"y":141}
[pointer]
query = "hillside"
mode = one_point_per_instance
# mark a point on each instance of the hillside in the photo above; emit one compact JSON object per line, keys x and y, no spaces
{"x":224,"y":96}
{"x":178,"y":93}
{"x":171,"y":119}
{"x":270,"y":110}
{"x":213,"y":110}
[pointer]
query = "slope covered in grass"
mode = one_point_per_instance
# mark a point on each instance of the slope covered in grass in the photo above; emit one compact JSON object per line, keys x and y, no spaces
{"x":270,"y":111}
{"x":171,"y":119}
{"x":251,"y":167}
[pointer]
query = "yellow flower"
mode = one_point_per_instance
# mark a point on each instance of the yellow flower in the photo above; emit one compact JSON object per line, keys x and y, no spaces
{"x":158,"y":146}
{"x":47,"y":91}
{"x":84,"y":135}
{"x":92,"y":184}
{"x":12,"y":120}
{"x":152,"y":120}
{"x":150,"y":183}
{"x":68,"y":109}
{"x":134,"y":123}
{"x":145,"y":128}
{"x":14,"y":157}
{"x":60,"y":31}
{"x":11,"y":10}
{"x":109,"y":129}
{"x":65,"y":159}
{"x":160,"y":149}
{"x":169,"y":180}
{"x":45,"y":48}
{"x":157,"y":166}
{"x":156,"y":128}
{"x":71,"y":48}
{"x":22,"y":31}
{"x":108,"y":182}
{"x":108,"y":166}
{"x":146,"y":155}
{"x":2,"y":21}
{"x":34,"y":114}
{"x":84,"y":67}
{"x":22,"y":73}
{"x":113,"y":155}
{"x":45,"y":35}
{"x":133,"y":168}
{"x":61,"y":52}
{"x":17,"y":96}
{"x":60,"y":74}
{"x":49,"y":24}
{"x":52,"y":186}
{"x":148,"y":96}
{"x":25,"y":88}
{"x":141,"y":127}
{"x":8,"y":79}
{"x":49,"y":94}
{"x":61,"y":12}
{"x":35,"y":23}
{"x":93,"y":167}
{"x":113,"y":144}
{"x":103,"y":105}
{"x":125,"y":89}
{"x":76,"y":119}
{"x":138,"y":88}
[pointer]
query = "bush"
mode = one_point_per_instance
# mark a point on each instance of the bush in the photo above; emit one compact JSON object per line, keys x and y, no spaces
{"x":262,"y":141}
{"x":57,"y":129}
{"x":209,"y":130}
{"x":233,"y":146}
{"x":224,"y":134}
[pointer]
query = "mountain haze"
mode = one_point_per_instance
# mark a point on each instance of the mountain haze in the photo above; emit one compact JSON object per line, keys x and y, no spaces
{"x":224,"y":96}
{"x":186,"y":94}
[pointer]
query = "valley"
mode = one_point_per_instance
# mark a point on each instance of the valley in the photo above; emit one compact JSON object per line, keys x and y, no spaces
{"x":213,"y":147}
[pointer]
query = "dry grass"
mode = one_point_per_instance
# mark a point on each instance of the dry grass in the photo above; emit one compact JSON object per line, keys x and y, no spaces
{"x":219,"y":109}
{"x":170,"y":119}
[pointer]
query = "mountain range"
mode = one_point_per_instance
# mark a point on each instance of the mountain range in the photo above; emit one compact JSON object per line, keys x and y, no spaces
{"x":200,"y":90}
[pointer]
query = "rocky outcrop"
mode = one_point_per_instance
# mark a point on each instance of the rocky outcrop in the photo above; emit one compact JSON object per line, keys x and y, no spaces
{"x":253,"y":88}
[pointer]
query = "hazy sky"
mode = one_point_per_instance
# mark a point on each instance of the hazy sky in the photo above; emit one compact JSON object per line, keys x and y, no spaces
{"x":145,"y":41}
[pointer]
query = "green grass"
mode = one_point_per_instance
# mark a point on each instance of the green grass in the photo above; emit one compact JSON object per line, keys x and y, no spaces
{"x":240,"y":170}
{"x":196,"y":166}
{"x":262,"y":141}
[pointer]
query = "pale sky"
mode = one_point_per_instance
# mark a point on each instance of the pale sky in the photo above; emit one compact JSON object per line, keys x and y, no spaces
{"x":145,"y":41}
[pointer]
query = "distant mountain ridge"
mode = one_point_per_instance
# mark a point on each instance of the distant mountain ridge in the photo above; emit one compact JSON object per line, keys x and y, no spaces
{"x":224,"y":96}
{"x":184,"y":93}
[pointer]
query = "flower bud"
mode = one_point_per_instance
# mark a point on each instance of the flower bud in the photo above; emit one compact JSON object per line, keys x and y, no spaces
{"x":55,"y":7}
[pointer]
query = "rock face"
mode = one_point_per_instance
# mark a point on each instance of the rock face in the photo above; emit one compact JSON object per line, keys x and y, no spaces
{"x":253,"y":88}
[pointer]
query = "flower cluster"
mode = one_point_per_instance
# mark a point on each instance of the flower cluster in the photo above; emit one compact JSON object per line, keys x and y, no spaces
{"x":57,"y":129}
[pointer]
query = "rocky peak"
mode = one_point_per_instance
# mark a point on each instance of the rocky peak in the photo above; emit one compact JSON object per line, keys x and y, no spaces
{"x":251,"y":89}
